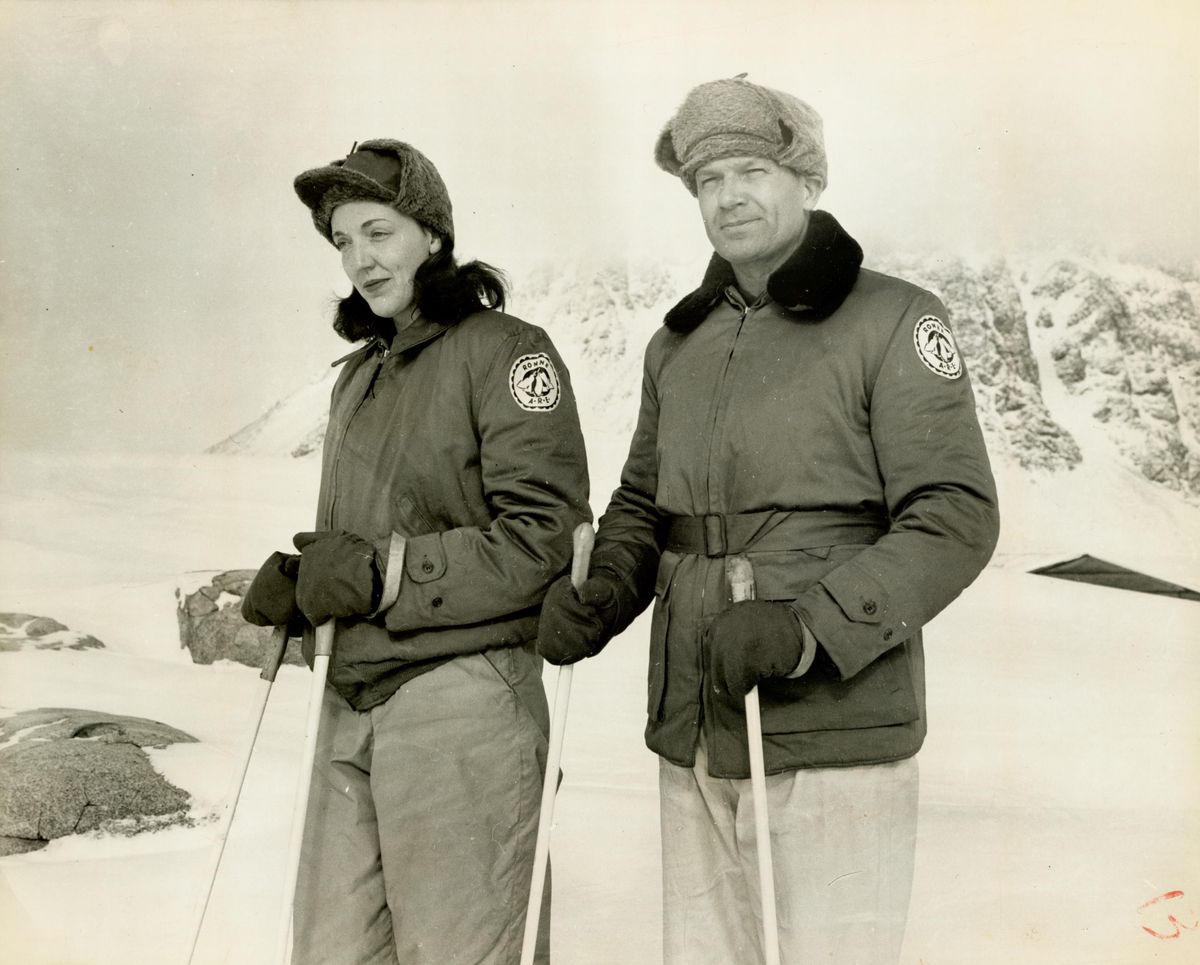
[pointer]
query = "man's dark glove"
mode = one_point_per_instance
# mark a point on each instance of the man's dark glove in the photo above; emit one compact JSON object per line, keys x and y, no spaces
{"x":752,"y":641}
{"x":338,"y":576}
{"x":270,"y":600}
{"x":577,"y":624}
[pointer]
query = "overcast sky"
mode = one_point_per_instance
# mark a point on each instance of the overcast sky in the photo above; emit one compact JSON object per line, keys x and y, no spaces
{"x":160,"y":284}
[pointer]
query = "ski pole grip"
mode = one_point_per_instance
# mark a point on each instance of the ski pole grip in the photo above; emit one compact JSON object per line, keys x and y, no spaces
{"x":324,"y":644}
{"x":741,"y":578}
{"x":274,"y":655}
{"x":581,"y":553}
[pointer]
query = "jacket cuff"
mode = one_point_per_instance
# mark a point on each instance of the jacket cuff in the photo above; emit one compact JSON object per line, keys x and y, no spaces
{"x":636,"y":579}
{"x":627,"y":600}
{"x":808,"y":650}
{"x":848,"y":611}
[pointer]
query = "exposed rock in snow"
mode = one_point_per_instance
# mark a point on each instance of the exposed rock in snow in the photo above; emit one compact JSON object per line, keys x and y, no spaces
{"x":67,"y":771}
{"x":600,"y":316}
{"x":1059,"y":352}
{"x":1125,"y":343}
{"x":211,"y":626}
{"x":23,"y":631}
{"x":993,"y":333}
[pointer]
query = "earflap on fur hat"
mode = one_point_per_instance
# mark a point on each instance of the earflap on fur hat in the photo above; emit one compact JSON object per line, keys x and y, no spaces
{"x":664,"y":153}
{"x":733,"y":117}
{"x":391,"y":172}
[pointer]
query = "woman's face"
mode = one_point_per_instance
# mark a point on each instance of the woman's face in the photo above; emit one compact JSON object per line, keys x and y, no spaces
{"x":381,"y":251}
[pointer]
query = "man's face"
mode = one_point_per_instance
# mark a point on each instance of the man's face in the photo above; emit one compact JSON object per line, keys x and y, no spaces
{"x":754,"y":210}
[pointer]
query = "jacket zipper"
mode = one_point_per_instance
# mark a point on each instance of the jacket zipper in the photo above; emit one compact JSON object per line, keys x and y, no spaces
{"x":721,"y":394}
{"x":337,"y":456}
{"x":386,"y":352}
{"x":701,"y":656}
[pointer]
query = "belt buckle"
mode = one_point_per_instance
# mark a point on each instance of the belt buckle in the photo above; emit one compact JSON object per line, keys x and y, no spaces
{"x":714,"y":535}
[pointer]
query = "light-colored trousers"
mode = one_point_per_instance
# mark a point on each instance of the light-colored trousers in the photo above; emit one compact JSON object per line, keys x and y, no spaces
{"x":842,"y":841}
{"x":422,"y":820}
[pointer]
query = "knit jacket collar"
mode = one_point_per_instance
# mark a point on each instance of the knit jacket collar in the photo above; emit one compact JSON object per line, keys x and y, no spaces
{"x":809,"y":286}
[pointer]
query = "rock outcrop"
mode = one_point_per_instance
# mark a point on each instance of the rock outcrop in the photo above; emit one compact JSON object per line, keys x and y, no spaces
{"x":69,"y":771}
{"x":1126,"y":342}
{"x":211,"y":627}
{"x":24,"y":631}
{"x":991,"y":327}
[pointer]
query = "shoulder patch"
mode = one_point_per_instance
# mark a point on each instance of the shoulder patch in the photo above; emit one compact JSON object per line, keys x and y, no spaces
{"x":534,"y":384}
{"x":935,"y":347}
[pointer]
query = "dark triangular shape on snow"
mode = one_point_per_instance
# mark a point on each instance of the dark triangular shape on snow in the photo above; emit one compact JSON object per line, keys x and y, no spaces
{"x":1088,"y":569}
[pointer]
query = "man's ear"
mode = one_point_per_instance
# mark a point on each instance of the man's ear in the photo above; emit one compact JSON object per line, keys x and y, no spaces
{"x":812,"y":188}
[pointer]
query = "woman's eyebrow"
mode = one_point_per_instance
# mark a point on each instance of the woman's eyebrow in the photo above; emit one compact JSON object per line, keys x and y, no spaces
{"x":365,"y":224}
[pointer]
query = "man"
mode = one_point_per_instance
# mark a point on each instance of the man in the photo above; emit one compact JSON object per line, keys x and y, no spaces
{"x":817,"y":418}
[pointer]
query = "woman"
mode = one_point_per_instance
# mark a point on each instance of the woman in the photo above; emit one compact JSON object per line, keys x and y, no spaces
{"x":452,"y":476}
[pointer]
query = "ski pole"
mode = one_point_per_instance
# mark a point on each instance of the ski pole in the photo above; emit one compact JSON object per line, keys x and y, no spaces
{"x":322,"y":650}
{"x":741,"y":581}
{"x":271,"y":662}
{"x":581,"y":543}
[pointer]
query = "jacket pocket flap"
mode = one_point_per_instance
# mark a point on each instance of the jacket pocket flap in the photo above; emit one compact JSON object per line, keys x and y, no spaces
{"x":860,"y":595}
{"x":666,"y":572}
{"x":408,"y":520}
{"x":426,"y":559}
{"x":785,"y":575}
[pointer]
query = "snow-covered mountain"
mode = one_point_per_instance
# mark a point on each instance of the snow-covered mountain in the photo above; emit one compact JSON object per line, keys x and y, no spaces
{"x":1072,"y":358}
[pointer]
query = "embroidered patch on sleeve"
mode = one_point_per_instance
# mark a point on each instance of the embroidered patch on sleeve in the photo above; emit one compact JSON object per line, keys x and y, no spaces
{"x":534,"y":383}
{"x":936,"y":348}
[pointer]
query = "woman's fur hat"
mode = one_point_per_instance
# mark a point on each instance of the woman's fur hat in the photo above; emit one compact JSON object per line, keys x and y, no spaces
{"x":734,"y":118}
{"x":384,"y":170}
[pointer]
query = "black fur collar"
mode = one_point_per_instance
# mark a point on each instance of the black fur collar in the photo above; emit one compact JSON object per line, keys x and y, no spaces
{"x":809,"y":286}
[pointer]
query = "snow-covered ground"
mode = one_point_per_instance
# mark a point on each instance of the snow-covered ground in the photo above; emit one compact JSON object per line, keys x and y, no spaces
{"x":1060,"y":781}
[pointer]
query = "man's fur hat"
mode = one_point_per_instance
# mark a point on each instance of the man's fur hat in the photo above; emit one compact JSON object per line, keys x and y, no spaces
{"x":735,"y":118}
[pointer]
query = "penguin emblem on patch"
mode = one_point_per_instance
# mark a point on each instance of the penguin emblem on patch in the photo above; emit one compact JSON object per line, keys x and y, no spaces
{"x":533,"y":382}
{"x":935,"y":347}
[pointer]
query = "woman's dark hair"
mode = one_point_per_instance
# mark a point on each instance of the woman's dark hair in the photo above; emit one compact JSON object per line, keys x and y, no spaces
{"x":444,"y":292}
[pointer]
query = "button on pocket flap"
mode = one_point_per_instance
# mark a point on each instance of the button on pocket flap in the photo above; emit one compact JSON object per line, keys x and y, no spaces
{"x":861,"y":597}
{"x":666,"y":572}
{"x":426,"y":559}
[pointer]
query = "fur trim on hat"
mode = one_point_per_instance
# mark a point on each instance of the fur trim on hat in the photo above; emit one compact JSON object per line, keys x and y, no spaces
{"x":735,"y":118}
{"x":415,"y":188}
{"x":809,"y":286}
{"x":340,"y":194}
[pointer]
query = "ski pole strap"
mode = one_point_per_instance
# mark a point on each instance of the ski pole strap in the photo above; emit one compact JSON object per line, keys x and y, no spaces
{"x":393,"y":570}
{"x":273,"y":656}
{"x":772,"y":530}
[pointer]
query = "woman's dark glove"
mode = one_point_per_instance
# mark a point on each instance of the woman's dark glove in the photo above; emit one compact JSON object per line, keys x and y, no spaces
{"x":577,"y":624}
{"x":752,"y":641}
{"x":338,"y":576}
{"x":270,"y":600}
